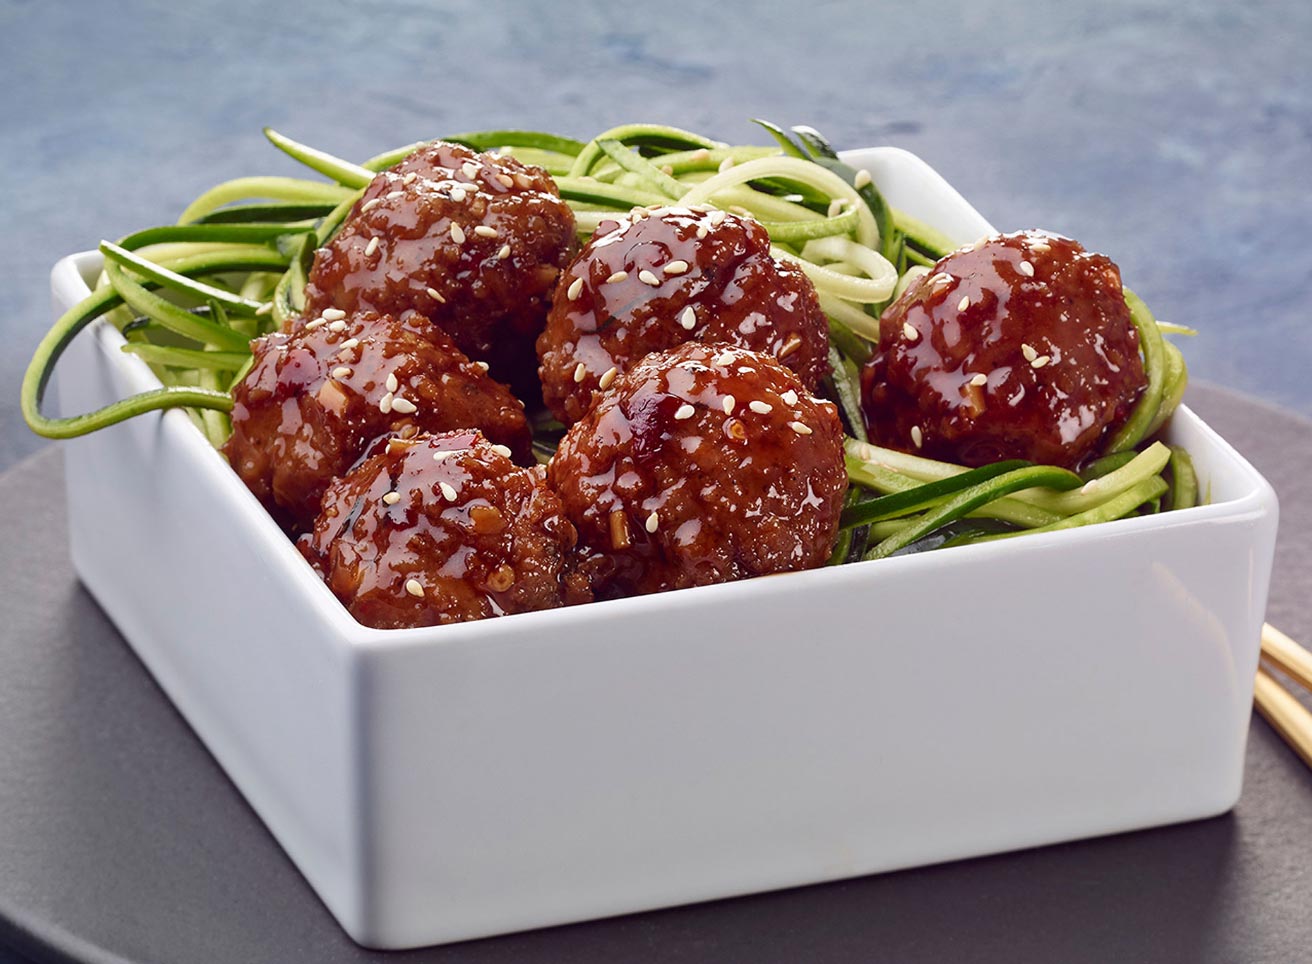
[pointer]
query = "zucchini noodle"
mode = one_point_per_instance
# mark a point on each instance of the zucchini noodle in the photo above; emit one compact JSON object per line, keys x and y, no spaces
{"x":793,"y":169}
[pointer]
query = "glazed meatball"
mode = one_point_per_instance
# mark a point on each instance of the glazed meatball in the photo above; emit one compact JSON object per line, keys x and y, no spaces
{"x":1017,"y":347}
{"x":473,"y":242}
{"x":442,"y":529}
{"x":702,"y":464}
{"x":657,"y":279}
{"x":315,"y":399}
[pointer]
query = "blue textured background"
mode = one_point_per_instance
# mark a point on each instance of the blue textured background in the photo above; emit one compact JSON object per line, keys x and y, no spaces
{"x":1177,"y":138}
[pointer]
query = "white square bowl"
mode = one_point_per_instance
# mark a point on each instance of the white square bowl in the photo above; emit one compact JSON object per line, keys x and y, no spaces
{"x":455,"y":782}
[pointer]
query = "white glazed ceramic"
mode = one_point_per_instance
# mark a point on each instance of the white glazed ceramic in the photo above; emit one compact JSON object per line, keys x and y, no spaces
{"x":460,"y":781}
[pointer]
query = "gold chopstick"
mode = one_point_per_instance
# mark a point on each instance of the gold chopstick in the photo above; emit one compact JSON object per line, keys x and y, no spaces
{"x":1287,"y":716}
{"x":1286,"y":655}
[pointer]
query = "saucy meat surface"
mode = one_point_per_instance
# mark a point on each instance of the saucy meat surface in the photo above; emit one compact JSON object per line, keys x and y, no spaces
{"x":473,"y":242}
{"x":656,"y":279}
{"x":1018,"y":347}
{"x":315,"y":399}
{"x":441,"y":529}
{"x":702,"y":464}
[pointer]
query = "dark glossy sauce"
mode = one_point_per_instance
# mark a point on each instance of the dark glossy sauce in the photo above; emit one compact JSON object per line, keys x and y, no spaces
{"x":702,"y":464}
{"x":1018,"y":347}
{"x":316,"y":399}
{"x":654,"y":280}
{"x":439,"y":529}
{"x":473,"y":242}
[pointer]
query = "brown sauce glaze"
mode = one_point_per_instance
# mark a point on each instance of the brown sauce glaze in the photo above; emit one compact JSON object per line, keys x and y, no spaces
{"x":473,"y":242}
{"x":315,"y":399}
{"x":656,"y":279}
{"x":1017,"y":347}
{"x":702,"y":464}
{"x":440,"y":529}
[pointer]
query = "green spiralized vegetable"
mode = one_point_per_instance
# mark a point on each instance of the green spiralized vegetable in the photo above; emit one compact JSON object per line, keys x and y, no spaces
{"x":957,"y":506}
{"x":189,"y":297}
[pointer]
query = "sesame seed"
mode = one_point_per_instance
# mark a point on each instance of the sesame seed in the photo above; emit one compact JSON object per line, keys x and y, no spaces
{"x":862,"y":179}
{"x":470,"y":169}
{"x":448,"y":491}
{"x":685,"y":411}
{"x":337,"y":325}
{"x":653,"y":522}
{"x":728,"y":404}
{"x":1029,"y":352}
{"x":575,"y":289}
{"x":1026,"y":269}
{"x":617,"y":277}
{"x":315,"y":323}
{"x":441,"y":454}
{"x":979,"y":379}
{"x":391,"y":498}
{"x":835,"y":207}
{"x":716,"y":218}
{"x":504,"y":252}
{"x":726,"y":164}
{"x":1040,"y":361}
{"x":607,"y":377}
{"x":502,"y":450}
{"x":385,"y":404}
{"x":348,"y":345}
{"x":789,"y":397}
{"x":580,"y":372}
{"x":414,"y":587}
{"x":457,"y":194}
{"x":502,"y":578}
{"x":393,"y":195}
{"x":676,"y":267}
{"x":506,"y":180}
{"x":760,"y":407}
{"x":522,"y":180}
{"x":392,"y":383}
{"x":702,"y":232}
{"x":647,"y":278}
{"x":370,"y":204}
{"x":265,"y":308}
{"x":482,"y":366}
{"x":909,"y":330}
{"x":723,"y":358}
{"x":341,"y":371}
{"x":457,"y":233}
{"x":917,"y":436}
{"x":371,"y":248}
{"x":484,"y":231}
{"x":801,"y":428}
{"x":436,"y":296}
{"x":1040,"y":246}
{"x":793,"y":343}
{"x":964,"y":303}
